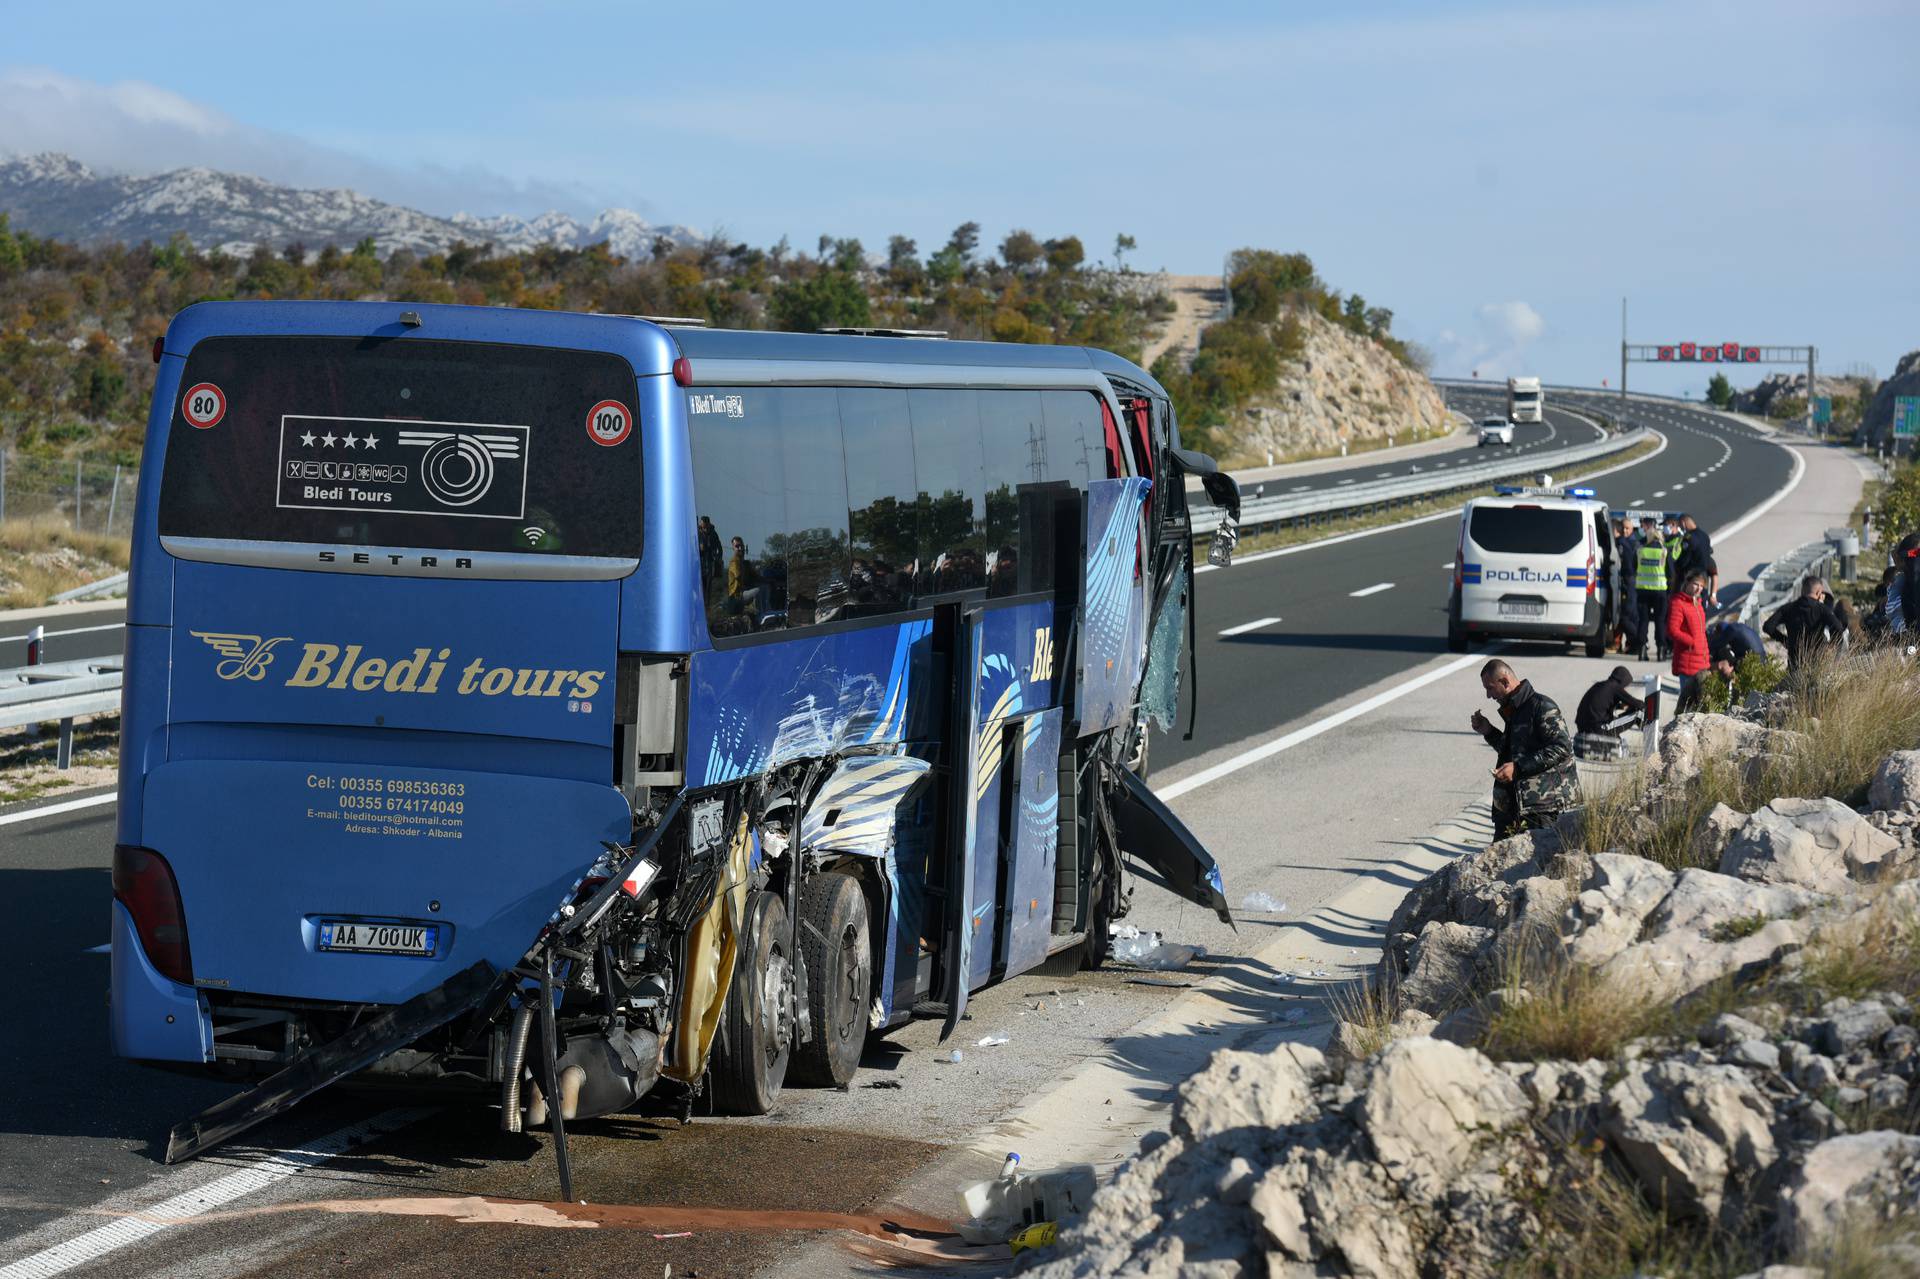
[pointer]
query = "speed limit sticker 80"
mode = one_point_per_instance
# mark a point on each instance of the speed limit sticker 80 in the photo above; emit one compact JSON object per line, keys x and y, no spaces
{"x":609,"y":422}
{"x":204,"y":405}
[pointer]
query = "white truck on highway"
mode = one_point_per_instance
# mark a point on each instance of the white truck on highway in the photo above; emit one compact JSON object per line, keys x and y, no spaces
{"x":1524,"y":401}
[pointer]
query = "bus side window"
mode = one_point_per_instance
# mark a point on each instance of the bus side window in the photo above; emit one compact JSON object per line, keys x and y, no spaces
{"x":1141,"y":436}
{"x":1014,"y":433}
{"x":770,"y":489}
{"x":882,"y":514}
{"x":1081,"y":444}
{"x":1116,"y":466}
{"x":950,"y":480}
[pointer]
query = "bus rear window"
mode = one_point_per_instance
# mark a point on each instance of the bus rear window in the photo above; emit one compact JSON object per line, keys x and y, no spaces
{"x":1520,"y":530}
{"x":461,"y":446}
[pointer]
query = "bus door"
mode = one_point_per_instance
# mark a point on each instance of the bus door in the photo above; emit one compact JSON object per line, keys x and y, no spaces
{"x":1006,"y":726}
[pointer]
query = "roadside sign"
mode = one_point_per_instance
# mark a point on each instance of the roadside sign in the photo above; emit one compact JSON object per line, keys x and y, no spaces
{"x":1906,"y":417}
{"x":1823,"y":408}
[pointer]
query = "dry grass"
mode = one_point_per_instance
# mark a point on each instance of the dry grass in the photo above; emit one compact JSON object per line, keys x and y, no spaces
{"x":1850,"y":712}
{"x":1370,"y":1007}
{"x":39,"y":558}
{"x":1597,"y":1225}
{"x":1878,"y":951}
{"x":1550,"y":1008}
{"x":1868,"y":1247}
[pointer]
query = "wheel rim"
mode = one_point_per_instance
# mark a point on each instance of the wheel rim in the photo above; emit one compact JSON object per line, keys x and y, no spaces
{"x":776,"y":1005}
{"x":853,"y":982}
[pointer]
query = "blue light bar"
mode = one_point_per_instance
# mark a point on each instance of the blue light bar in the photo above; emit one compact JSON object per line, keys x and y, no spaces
{"x":1507,"y":490}
{"x":1580,"y":492}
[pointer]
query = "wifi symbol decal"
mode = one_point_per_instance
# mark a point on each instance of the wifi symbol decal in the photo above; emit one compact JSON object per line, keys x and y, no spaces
{"x":533,"y":534}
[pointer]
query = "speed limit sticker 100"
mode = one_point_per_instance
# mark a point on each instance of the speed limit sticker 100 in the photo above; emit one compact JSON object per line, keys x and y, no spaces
{"x":204,"y":405}
{"x":609,"y":422}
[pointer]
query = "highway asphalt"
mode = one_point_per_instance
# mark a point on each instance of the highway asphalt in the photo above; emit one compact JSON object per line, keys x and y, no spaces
{"x":1309,"y":627}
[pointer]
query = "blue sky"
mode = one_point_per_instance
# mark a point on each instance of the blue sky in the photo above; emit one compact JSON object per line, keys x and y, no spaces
{"x":1499,"y":175}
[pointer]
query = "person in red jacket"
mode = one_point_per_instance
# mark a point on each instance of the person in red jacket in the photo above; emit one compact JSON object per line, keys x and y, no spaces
{"x":1687,"y":632}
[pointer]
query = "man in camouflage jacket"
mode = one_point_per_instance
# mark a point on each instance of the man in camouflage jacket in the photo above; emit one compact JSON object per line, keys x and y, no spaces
{"x":1535,"y":781}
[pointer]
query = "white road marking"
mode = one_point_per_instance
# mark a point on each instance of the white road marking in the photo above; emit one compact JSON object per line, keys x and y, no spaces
{"x":1299,"y":488}
{"x":1244,"y":627}
{"x":1346,"y":481}
{"x":1375,"y":589}
{"x":189,"y":1204}
{"x":1659,"y":492}
{"x":54,"y":810}
{"x":1448,"y":564}
{"x":1267,"y":750}
{"x":78,"y":630}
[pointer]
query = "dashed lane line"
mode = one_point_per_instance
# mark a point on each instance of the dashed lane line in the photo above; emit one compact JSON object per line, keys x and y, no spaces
{"x":188,"y":1204}
{"x":1375,"y":589}
{"x":54,"y":810}
{"x":1244,"y":627}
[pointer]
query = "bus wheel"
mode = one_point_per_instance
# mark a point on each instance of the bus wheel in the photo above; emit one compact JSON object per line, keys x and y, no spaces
{"x":835,"y":942}
{"x":1106,"y":899}
{"x":756,"y":1028}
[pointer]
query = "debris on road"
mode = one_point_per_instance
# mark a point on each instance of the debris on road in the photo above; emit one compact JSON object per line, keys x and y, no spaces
{"x":1263,"y":903}
{"x":884,"y":1083}
{"x":953,"y":1058}
{"x":993,"y":1041}
{"x":1144,"y":949}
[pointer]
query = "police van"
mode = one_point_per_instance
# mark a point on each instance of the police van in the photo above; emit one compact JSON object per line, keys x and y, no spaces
{"x":1534,"y":563}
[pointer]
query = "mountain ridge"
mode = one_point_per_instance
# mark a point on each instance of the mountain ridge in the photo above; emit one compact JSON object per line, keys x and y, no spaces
{"x":52,"y":194}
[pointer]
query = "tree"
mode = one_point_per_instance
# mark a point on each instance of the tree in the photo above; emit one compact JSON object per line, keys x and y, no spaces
{"x":1123,"y":244}
{"x":1065,"y":254}
{"x":1020,"y":250}
{"x":1719,"y":391}
{"x":828,"y":299}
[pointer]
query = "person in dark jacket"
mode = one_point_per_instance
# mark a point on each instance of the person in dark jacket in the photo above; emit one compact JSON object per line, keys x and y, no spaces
{"x":1626,"y":554}
{"x":1607,"y":701}
{"x":1535,"y":781}
{"x":1805,"y":625}
{"x":1696,"y":556}
{"x":1728,"y":642}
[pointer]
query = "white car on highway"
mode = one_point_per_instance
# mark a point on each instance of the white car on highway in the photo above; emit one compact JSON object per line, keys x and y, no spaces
{"x":1495,"y":430}
{"x":1534,"y":563}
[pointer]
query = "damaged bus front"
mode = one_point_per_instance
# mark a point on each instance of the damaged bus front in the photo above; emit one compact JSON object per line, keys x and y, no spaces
{"x":575,"y":708}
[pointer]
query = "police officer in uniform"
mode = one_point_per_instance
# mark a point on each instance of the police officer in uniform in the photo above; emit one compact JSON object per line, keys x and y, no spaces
{"x":1650,"y":589}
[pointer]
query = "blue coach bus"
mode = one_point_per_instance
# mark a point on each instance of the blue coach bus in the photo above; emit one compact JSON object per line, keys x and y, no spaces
{"x":580,"y":707}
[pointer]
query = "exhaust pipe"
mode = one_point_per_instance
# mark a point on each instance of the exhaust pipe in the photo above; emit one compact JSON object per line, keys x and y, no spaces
{"x":510,"y":1120}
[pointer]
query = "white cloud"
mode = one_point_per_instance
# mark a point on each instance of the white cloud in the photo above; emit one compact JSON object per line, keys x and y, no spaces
{"x":1498,"y":345}
{"x":136,"y":127}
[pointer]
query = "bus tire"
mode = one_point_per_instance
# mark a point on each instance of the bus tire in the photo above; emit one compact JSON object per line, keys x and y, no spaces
{"x":756,"y":1033}
{"x":837,"y":944}
{"x":1098,"y":943}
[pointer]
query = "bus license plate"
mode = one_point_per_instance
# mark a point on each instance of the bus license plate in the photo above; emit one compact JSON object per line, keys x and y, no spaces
{"x":1523,"y":608}
{"x":362,"y":938}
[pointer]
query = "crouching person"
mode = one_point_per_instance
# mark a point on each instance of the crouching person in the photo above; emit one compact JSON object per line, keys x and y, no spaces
{"x":1535,"y":781}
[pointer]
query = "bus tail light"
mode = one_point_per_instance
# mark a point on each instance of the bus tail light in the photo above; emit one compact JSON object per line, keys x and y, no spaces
{"x":683,"y":371}
{"x":144,"y":884}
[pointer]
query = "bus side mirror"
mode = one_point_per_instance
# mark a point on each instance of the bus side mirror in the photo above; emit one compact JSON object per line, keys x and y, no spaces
{"x":1224,"y":493}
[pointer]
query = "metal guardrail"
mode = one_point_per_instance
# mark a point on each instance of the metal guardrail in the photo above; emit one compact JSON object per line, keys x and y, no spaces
{"x":117,"y":584}
{"x":59,"y":691}
{"x":1265,"y":512}
{"x":1779,"y":581}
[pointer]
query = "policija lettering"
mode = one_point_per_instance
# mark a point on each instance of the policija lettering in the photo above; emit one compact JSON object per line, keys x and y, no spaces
{"x":329,"y":666}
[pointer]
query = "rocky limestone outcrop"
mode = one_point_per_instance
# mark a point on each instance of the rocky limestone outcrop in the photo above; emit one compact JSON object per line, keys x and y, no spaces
{"x":1344,"y":390}
{"x":1876,"y":425}
{"x":1780,"y":1122}
{"x":1775,"y":388}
